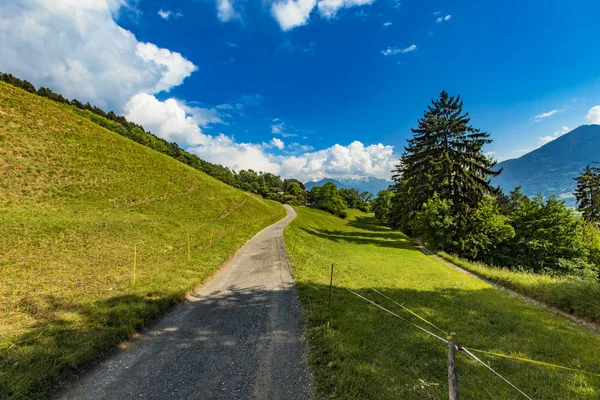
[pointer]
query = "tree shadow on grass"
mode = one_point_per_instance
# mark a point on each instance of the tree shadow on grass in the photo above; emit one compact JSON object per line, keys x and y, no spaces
{"x":389,"y":239}
{"x":360,"y":351}
{"x":369,"y":223}
{"x":205,"y":348}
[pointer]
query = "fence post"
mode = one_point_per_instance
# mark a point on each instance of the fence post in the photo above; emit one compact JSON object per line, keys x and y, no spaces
{"x":452,"y":379}
{"x":211,"y":236}
{"x":330,"y":285}
{"x":134,"y":261}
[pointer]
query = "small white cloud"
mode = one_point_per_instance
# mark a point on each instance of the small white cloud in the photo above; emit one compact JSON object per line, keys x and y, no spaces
{"x":231,"y":44}
{"x":292,"y":13}
{"x":388,"y":23}
{"x":442,"y":19}
{"x":278,"y":143}
{"x":437,"y":13}
{"x":594,"y":115}
{"x":391,"y":51}
{"x":541,"y":116}
{"x":557,"y":134}
{"x":329,"y":8}
{"x":169,"y":14}
{"x":225,"y":11}
{"x":447,"y":17}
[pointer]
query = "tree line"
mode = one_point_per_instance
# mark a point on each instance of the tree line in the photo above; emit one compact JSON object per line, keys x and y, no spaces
{"x":443,"y":194}
{"x":337,"y":201}
{"x":266,"y":184}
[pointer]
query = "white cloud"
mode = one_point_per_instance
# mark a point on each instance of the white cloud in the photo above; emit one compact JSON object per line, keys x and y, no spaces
{"x":549,"y":138}
{"x":541,"y":116}
{"x":76,"y":48}
{"x":225,"y":11}
{"x":391,"y":51}
{"x":277,"y":128}
{"x":278,"y":143}
{"x":292,"y":13}
{"x":174,"y":121}
{"x":388,"y":23}
{"x":442,"y":19}
{"x":594,"y":115}
{"x":175,"y":67}
{"x":329,"y":8}
{"x":169,"y":14}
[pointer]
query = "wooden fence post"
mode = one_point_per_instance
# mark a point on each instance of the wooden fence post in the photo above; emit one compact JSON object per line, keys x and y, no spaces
{"x":330,"y":285}
{"x":452,"y":379}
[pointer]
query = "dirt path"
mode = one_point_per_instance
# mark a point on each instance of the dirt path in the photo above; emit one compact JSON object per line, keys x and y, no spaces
{"x":238,"y":337}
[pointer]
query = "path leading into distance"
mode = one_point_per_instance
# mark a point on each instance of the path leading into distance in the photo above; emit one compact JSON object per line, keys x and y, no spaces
{"x":239,"y":336}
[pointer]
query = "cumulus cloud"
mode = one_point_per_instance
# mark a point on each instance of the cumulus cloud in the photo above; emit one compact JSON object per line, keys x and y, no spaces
{"x":594,"y":115}
{"x":173,"y":120}
{"x":386,"y":24}
{"x":391,"y":51}
{"x":278,"y":143}
{"x":169,"y":14}
{"x":557,"y":134}
{"x":443,"y":19}
{"x":76,"y":48}
{"x":292,"y":13}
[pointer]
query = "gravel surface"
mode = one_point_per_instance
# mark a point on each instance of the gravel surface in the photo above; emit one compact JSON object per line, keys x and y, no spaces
{"x":239,"y":336}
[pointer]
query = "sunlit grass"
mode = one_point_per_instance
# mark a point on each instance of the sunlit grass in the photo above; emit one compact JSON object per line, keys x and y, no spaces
{"x":577,"y":296}
{"x":360,"y":352}
{"x":75,"y":199}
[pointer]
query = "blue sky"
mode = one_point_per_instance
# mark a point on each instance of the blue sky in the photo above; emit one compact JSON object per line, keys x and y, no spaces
{"x":314,"y":88}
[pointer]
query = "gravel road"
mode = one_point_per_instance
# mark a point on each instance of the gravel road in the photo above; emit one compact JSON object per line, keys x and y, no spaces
{"x":239,"y":336}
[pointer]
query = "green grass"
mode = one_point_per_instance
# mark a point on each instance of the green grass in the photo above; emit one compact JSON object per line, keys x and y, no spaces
{"x":576,"y":296}
{"x":360,"y":352}
{"x":75,"y":199}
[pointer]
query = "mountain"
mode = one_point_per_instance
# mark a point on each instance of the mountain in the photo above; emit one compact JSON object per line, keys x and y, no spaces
{"x":551,"y":168}
{"x":369,"y":184}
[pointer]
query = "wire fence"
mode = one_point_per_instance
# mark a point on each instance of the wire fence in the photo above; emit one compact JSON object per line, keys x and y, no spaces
{"x":467,"y":351}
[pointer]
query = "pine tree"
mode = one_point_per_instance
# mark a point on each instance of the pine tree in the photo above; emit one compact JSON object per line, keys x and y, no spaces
{"x":445,"y":156}
{"x":587,"y":193}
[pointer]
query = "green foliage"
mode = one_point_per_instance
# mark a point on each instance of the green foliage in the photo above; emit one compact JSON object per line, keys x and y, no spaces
{"x":436,"y":223}
{"x":587,"y":194}
{"x":382,"y":205}
{"x":549,"y":238}
{"x":327,"y":197}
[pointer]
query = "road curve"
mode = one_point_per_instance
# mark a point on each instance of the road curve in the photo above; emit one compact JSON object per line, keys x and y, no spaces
{"x":239,"y":336}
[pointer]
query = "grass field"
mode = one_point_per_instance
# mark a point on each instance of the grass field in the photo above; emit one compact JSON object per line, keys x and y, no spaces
{"x":360,"y":352}
{"x":576,"y":296}
{"x":76,"y":203}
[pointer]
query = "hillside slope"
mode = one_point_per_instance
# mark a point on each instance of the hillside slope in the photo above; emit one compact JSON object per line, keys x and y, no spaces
{"x":77,"y":204}
{"x":551,"y":168}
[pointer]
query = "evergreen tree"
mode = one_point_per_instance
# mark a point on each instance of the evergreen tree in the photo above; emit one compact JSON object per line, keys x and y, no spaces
{"x":587,"y":194}
{"x":444,"y":156}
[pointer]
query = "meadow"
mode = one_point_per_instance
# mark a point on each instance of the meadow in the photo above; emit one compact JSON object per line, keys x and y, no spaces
{"x":358,"y":351}
{"x":98,"y":235}
{"x":580,"y":297}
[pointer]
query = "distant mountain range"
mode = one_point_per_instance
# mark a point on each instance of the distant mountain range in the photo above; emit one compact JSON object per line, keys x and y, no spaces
{"x":369,"y":184}
{"x":551,"y":168}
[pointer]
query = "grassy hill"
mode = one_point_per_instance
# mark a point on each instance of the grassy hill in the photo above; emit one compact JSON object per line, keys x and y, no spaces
{"x":360,"y":352}
{"x":77,"y":204}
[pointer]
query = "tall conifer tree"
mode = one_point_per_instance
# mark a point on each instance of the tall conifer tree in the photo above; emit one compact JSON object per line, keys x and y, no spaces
{"x":587,"y":193}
